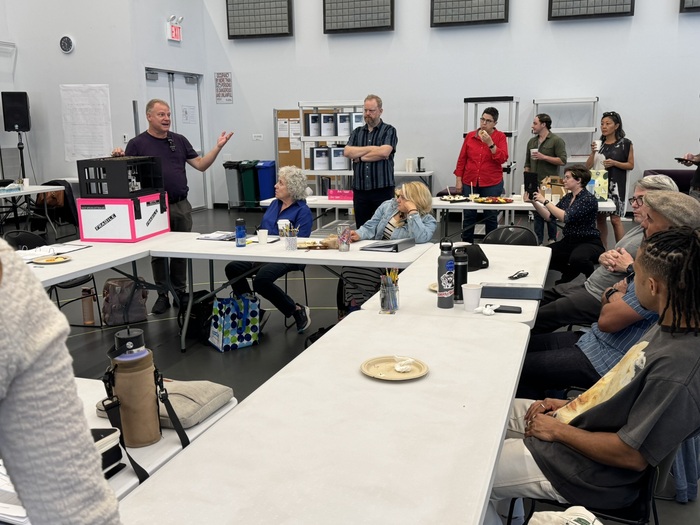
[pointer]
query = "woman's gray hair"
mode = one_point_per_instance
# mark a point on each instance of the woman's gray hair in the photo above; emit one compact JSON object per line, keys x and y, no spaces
{"x":295,"y":181}
{"x":656,"y":182}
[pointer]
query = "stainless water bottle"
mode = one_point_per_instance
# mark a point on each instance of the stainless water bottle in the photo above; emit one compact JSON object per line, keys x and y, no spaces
{"x":461,"y":269}
{"x":446,"y":275}
{"x":240,"y":233}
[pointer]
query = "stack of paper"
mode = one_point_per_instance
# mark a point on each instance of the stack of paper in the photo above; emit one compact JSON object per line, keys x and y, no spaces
{"x":218,"y":236}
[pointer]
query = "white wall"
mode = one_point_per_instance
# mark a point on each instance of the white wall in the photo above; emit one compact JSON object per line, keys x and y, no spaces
{"x":641,"y":66}
{"x":644,"y":67}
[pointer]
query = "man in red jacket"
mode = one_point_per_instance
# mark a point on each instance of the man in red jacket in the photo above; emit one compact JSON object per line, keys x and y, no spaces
{"x":479,"y":169}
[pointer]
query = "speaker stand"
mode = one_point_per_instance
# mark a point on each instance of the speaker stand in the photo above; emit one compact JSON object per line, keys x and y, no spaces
{"x":20,"y":147}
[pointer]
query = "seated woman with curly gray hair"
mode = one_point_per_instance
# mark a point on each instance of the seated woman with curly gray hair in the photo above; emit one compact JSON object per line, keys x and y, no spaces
{"x":289,"y":204}
{"x":408,"y":215}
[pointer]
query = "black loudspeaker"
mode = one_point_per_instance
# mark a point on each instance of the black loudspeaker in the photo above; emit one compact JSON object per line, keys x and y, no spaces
{"x":15,"y":111}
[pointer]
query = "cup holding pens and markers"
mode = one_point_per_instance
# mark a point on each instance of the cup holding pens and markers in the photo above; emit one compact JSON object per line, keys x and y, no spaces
{"x":389,"y":292}
{"x":290,"y":239}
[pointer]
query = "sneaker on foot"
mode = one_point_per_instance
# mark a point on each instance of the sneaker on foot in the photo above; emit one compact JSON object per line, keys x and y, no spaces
{"x":303,"y":318}
{"x":161,"y":305}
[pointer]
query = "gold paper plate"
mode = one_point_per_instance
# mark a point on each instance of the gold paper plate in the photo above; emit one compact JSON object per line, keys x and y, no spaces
{"x":493,"y":200}
{"x":310,"y":245}
{"x":51,"y":259}
{"x":433,"y":287}
{"x":383,"y":368}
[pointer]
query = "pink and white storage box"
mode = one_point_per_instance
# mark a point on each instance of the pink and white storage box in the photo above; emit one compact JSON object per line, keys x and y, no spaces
{"x":340,"y":195}
{"x":123,"y":220}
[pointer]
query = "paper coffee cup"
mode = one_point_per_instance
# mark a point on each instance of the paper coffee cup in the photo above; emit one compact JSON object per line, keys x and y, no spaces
{"x":25,"y":183}
{"x":598,"y":144}
{"x":409,"y":165}
{"x":533,"y":151}
{"x":471,"y":293}
{"x":262,"y":236}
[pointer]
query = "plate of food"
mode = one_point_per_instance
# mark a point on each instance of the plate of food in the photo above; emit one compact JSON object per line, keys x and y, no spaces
{"x":493,"y":200}
{"x":311,"y":245}
{"x":51,"y":259}
{"x":394,"y":368}
{"x":454,"y":198}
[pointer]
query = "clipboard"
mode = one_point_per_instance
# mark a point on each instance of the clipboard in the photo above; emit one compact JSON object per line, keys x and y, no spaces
{"x":397,"y":245}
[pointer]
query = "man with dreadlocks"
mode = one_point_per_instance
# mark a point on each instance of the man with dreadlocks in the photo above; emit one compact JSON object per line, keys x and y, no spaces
{"x":593,"y":451}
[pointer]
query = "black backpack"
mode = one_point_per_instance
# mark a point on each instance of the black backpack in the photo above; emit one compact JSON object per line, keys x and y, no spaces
{"x":200,"y":316}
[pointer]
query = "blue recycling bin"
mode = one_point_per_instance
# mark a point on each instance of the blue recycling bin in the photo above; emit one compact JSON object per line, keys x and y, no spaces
{"x":267,"y":177}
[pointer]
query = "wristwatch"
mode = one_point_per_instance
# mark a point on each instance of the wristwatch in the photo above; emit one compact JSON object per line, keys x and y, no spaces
{"x":630,"y":269}
{"x":492,"y":146}
{"x":545,"y":202}
{"x":610,"y":293}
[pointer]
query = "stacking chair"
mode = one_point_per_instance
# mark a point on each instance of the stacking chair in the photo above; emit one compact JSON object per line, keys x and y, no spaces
{"x":518,"y":235}
{"x":638,"y":513}
{"x":64,"y":215}
{"x":24,"y":240}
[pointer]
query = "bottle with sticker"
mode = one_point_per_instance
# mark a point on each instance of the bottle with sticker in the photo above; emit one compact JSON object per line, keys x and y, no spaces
{"x":446,"y":275}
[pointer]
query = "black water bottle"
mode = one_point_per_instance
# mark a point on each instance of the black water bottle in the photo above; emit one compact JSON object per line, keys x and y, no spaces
{"x":461,"y":269}
{"x":446,"y":275}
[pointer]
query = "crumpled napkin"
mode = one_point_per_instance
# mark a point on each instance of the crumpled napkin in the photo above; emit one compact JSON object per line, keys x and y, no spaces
{"x":403,"y":364}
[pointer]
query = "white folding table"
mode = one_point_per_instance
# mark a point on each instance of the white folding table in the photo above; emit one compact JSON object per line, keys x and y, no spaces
{"x":322,"y":443}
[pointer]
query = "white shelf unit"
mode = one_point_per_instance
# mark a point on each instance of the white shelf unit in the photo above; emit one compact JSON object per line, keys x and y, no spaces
{"x":575,"y":117}
{"x":508,"y":109}
{"x":339,"y":177}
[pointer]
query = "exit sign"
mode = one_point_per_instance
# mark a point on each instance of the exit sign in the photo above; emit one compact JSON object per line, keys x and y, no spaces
{"x":174,"y":32}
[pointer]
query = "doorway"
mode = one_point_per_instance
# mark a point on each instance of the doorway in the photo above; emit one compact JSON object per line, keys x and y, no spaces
{"x":182,"y":92}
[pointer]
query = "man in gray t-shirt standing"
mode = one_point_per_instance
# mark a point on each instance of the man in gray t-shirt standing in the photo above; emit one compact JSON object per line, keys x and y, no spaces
{"x":576,"y":303}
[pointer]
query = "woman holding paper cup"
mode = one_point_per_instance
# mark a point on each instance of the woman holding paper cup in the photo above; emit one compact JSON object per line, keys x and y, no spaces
{"x":408,"y":215}
{"x":578,"y":250}
{"x":289,"y":205}
{"x":614,"y":153}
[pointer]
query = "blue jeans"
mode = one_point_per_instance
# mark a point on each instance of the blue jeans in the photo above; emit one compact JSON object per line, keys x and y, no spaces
{"x":264,"y":282}
{"x":490,"y":219}
{"x":539,"y":228}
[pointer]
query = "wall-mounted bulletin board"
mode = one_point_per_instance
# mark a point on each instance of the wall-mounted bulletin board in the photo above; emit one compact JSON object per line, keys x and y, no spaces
{"x":688,"y":6}
{"x":569,"y":9}
{"x":464,"y":12}
{"x":347,"y":16}
{"x":288,"y":148}
{"x":259,"y":18}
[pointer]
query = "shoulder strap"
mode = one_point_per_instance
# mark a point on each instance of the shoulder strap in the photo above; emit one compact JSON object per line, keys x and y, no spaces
{"x":163,"y":396}
{"x":111,"y":406}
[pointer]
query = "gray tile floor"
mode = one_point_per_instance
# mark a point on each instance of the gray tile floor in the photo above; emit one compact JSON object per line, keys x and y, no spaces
{"x":245,"y":370}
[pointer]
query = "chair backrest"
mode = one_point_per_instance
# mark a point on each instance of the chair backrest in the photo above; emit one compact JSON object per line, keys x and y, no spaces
{"x":68,"y":200}
{"x":24,"y":240}
{"x":518,"y":235}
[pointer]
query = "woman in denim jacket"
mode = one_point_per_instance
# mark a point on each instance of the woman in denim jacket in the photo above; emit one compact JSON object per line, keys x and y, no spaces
{"x":408,"y":215}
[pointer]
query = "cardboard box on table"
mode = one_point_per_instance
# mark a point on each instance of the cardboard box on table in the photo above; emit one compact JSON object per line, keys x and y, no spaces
{"x":123,"y":220}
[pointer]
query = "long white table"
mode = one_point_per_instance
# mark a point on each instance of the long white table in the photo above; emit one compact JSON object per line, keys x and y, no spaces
{"x":321,"y":443}
{"x":152,"y":457}
{"x":444,"y":207}
{"x":415,"y":297}
{"x":189,"y":247}
{"x":27,"y":193}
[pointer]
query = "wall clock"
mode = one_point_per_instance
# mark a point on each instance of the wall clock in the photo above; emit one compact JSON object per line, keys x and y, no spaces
{"x":67,"y":44}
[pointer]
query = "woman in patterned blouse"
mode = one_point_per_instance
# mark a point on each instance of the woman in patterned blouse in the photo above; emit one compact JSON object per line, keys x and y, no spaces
{"x":578,"y":251}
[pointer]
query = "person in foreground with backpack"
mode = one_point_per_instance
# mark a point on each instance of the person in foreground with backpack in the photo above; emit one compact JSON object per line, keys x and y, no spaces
{"x":289,"y":204}
{"x":45,"y":443}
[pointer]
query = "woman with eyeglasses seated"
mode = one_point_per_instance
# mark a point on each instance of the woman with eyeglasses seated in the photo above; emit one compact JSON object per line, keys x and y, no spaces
{"x":578,"y":251}
{"x":619,"y":159}
{"x":289,"y":204}
{"x":406,"y":216}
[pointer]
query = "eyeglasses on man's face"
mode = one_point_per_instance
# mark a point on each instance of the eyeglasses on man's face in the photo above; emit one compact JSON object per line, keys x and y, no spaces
{"x":639,"y":201}
{"x":486,"y":120}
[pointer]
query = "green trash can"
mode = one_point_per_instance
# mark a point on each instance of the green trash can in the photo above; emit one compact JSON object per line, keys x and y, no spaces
{"x":251,"y":192}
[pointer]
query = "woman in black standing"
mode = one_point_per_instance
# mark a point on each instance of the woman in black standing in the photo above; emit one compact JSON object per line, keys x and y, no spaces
{"x":619,"y":159}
